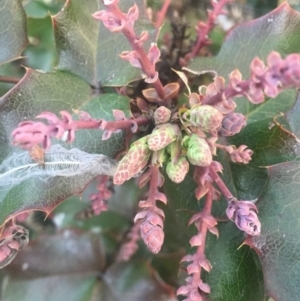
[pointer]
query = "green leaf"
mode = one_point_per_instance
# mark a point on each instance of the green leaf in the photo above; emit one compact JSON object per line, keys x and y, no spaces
{"x":236,"y":273}
{"x":41,"y":8}
{"x":13,"y":35}
{"x":53,"y":92}
{"x":91,"y":51}
{"x":278,"y":244}
{"x":275,"y":31}
{"x":41,"y":52}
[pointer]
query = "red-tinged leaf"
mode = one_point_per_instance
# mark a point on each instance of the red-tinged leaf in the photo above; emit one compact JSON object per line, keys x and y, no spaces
{"x":13,"y":33}
{"x":277,"y":246}
{"x":91,"y":51}
{"x":275,"y":31}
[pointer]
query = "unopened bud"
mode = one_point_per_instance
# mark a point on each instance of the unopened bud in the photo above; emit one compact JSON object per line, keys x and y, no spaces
{"x":206,"y":117}
{"x":178,"y":171}
{"x":162,"y":115}
{"x":232,"y":124}
{"x":162,"y":136}
{"x":133,"y":162}
{"x":199,"y":152}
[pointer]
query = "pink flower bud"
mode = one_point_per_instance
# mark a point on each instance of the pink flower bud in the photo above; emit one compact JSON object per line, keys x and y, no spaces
{"x":110,"y":21}
{"x":162,"y":136}
{"x":232,"y":124}
{"x":244,"y":214}
{"x":133,"y":162}
{"x":162,"y":115}
{"x":241,"y":154}
{"x":132,"y":57}
{"x":153,"y":54}
{"x":152,"y":230}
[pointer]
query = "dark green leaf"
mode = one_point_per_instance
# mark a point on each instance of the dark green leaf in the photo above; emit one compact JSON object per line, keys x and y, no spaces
{"x":13,"y":35}
{"x":236,"y":273}
{"x":41,"y":53}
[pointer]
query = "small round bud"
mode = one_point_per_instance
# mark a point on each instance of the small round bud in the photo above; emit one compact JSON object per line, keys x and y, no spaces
{"x":162,"y":115}
{"x":232,"y":124}
{"x":206,"y":117}
{"x":199,"y":152}
{"x":178,"y":171}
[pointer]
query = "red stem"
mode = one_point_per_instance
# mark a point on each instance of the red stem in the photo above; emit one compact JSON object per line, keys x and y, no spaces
{"x":9,"y":79}
{"x":111,"y":125}
{"x":203,"y":31}
{"x":153,"y":184}
{"x":221,"y":185}
{"x":202,"y":229}
{"x":160,"y":16}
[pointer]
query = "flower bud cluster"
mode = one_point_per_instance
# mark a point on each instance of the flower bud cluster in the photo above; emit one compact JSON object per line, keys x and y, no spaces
{"x":117,"y":21}
{"x":129,"y":248}
{"x":99,"y":199}
{"x":267,"y":80}
{"x":151,"y":218}
{"x":152,"y":224}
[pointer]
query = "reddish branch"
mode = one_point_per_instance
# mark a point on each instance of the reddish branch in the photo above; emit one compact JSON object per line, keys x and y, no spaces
{"x":203,"y":29}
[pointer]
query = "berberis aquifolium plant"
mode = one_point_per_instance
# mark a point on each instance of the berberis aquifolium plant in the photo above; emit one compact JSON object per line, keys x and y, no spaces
{"x":170,"y":135}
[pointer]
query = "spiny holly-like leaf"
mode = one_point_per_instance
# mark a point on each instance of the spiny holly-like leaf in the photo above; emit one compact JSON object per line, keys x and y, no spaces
{"x":271,"y":145}
{"x":89,"y":50}
{"x":53,"y":92}
{"x":236,"y":272}
{"x":275,"y":31}
{"x":278,"y":245}
{"x":13,"y":35}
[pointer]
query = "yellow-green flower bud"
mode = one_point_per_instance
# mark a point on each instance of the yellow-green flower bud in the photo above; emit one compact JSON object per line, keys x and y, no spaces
{"x":178,"y":171}
{"x":199,"y":152}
